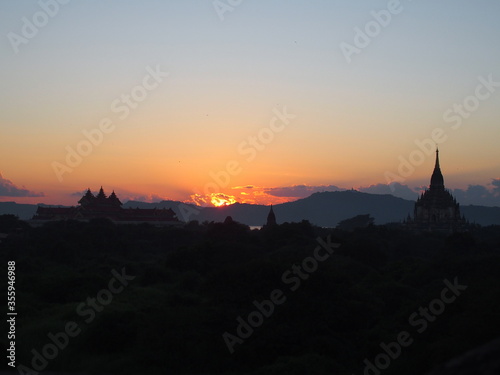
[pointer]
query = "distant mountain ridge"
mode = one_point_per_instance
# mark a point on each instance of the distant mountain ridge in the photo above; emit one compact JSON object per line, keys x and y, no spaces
{"x":324,"y":209}
{"x":23,"y":211}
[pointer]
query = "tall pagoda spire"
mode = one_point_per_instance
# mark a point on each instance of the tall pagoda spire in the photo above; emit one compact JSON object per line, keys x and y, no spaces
{"x":437,"y":179}
{"x":271,"y":218}
{"x":437,"y":209}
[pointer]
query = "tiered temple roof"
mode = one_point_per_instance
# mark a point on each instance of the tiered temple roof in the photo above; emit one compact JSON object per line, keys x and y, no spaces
{"x":102,"y":206}
{"x":436,"y":209}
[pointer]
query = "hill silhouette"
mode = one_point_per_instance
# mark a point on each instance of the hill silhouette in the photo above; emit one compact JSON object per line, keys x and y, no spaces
{"x":324,"y":209}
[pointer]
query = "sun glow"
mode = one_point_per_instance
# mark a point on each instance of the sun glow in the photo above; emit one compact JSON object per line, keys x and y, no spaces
{"x":218,"y":199}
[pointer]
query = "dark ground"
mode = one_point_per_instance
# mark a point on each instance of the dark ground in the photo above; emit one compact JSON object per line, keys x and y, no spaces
{"x":182,"y":289}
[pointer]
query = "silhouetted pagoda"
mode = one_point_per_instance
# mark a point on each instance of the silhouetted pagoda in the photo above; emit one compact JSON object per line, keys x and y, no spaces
{"x":102,"y":206}
{"x":436,"y":209}
{"x":271,"y":218}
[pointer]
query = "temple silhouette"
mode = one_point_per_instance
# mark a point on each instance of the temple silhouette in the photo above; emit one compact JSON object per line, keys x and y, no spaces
{"x":271,"y":219}
{"x":102,"y":206}
{"x":436,"y":209}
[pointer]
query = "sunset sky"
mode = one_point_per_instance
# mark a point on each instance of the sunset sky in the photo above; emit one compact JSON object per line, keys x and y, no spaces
{"x":265,"y":101}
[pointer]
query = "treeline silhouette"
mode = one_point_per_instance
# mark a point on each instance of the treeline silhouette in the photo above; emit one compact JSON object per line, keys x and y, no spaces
{"x":192,"y":282}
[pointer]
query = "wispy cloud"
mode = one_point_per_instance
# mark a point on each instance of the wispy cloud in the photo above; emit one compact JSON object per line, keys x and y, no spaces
{"x":479,"y":194}
{"x":299,"y":191}
{"x":78,"y":193}
{"x":496,"y":186}
{"x":8,"y":189}
{"x":488,"y":195}
{"x":398,"y":190}
{"x":475,"y":194}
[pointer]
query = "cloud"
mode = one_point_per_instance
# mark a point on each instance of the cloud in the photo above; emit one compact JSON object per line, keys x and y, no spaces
{"x":401,"y":191}
{"x":420,"y":189}
{"x":213,"y":199}
{"x":199,"y":200}
{"x":78,"y":193}
{"x":474,"y":194}
{"x":479,"y":195}
{"x":299,"y":191}
{"x":496,"y":186}
{"x":8,"y":189}
{"x":150,"y":198}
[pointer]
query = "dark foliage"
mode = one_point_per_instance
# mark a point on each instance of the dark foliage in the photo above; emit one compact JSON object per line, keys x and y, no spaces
{"x":192,"y":283}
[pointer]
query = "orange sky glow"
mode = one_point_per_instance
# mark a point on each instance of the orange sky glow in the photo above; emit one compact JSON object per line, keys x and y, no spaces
{"x":226,"y":112}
